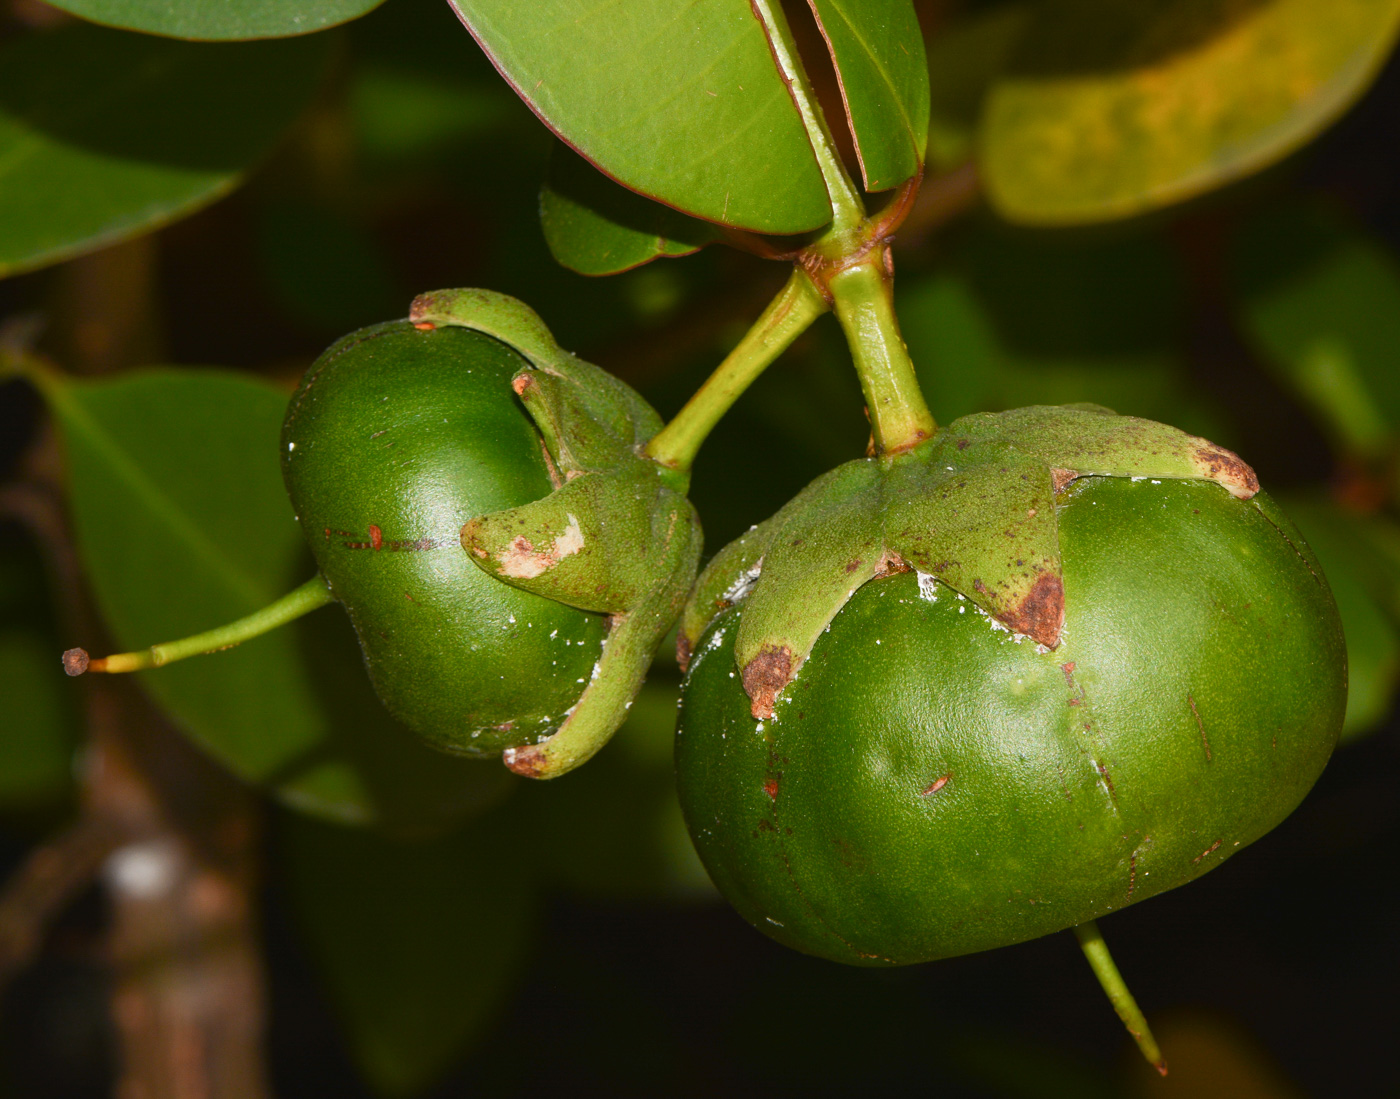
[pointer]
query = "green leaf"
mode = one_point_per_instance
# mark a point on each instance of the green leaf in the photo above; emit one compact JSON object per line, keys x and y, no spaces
{"x":679,"y":101}
{"x":105,"y":135}
{"x":221,"y":20}
{"x":183,"y":524}
{"x":418,"y":943}
{"x":878,"y":51}
{"x":596,"y":227}
{"x":1111,"y":109}
{"x":39,"y":719}
{"x":1343,"y":543}
{"x":1320,"y":301}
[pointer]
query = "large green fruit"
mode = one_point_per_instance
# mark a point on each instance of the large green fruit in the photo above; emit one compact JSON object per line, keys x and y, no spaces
{"x":396,"y":438}
{"x":930,"y":784}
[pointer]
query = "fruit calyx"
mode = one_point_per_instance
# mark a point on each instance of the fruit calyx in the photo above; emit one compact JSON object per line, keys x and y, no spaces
{"x":617,"y":535}
{"x":974,"y":507}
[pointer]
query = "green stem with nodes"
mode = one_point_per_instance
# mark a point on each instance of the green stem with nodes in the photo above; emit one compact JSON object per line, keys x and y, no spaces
{"x":1101,"y":962}
{"x":314,"y":593}
{"x":788,"y":315}
{"x":899,"y":418}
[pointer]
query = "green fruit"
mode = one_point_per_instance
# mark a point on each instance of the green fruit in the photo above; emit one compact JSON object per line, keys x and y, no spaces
{"x":930,"y":784}
{"x":396,"y":438}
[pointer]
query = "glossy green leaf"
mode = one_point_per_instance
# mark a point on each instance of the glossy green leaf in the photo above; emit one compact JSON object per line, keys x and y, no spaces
{"x":964,"y":61}
{"x":183,"y":524}
{"x":220,"y":19}
{"x":1344,"y":545}
{"x":596,"y":227}
{"x":1111,"y":109}
{"x":105,"y":135}
{"x":39,"y":714}
{"x":418,"y":943}
{"x":613,"y":830}
{"x":679,"y":101}
{"x":1320,"y":300}
{"x":878,"y":51}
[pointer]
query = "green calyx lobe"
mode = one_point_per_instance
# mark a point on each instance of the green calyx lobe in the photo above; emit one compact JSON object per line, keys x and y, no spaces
{"x":931,"y":784}
{"x":616,"y":536}
{"x":473,"y":495}
{"x":973,"y":507}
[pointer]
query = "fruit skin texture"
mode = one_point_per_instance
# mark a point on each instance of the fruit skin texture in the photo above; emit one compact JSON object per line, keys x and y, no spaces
{"x":930,"y":785}
{"x":395,"y":439}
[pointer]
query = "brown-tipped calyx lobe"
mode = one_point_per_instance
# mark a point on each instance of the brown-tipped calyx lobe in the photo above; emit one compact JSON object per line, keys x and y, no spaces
{"x":765,"y":676}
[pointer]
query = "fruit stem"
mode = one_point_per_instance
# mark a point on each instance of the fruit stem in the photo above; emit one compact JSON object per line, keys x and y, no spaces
{"x":848,"y":211}
{"x":314,"y":593}
{"x":788,"y":315}
{"x":1101,"y":962}
{"x":899,"y":417}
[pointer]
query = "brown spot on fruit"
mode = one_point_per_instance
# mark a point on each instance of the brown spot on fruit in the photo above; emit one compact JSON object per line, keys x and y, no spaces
{"x":1041,"y":614}
{"x":934,"y":786}
{"x":1068,"y":669}
{"x":854,"y":565}
{"x":75,"y":661}
{"x":890,"y":563}
{"x":1060,"y":479}
{"x":1226,"y":468}
{"x":771,"y":788}
{"x":683,"y":651}
{"x":1201,"y":725}
{"x":376,"y":537}
{"x":765,"y":676}
{"x":520,"y":383}
{"x":425,"y":326}
{"x":1207,"y":851}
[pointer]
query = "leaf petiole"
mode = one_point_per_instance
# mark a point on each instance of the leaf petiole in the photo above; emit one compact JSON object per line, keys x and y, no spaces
{"x":297,"y":602}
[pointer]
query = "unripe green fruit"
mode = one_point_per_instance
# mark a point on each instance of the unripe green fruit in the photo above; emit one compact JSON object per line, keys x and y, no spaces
{"x":930,"y":785}
{"x":396,"y":438}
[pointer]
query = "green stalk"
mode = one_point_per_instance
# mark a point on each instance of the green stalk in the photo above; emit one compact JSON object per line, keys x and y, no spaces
{"x":788,"y":315}
{"x":899,"y":417}
{"x":314,"y":593}
{"x":848,"y":211}
{"x":1101,"y":962}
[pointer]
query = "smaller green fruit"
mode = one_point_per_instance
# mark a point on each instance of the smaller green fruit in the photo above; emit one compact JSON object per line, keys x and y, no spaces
{"x":396,"y":439}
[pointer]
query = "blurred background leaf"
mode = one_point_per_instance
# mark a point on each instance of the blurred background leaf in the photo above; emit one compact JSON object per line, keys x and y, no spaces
{"x":964,"y":61}
{"x":182,"y":522}
{"x":39,"y":717}
{"x":1011,"y":319}
{"x":202,"y":20}
{"x":1109,"y":109}
{"x":418,"y":943}
{"x":1320,"y":301}
{"x":105,"y":134}
{"x":1363,"y":580}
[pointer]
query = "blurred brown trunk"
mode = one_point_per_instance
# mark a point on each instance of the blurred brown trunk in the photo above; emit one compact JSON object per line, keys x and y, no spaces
{"x":176,"y":836}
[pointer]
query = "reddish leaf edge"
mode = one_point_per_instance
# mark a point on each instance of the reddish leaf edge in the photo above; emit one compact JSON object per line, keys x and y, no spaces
{"x":535,"y":110}
{"x":846,"y":106}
